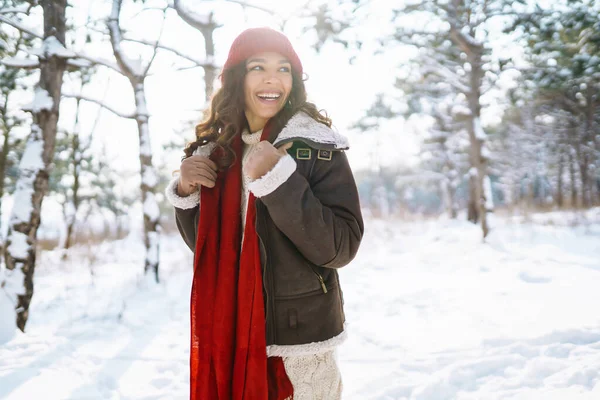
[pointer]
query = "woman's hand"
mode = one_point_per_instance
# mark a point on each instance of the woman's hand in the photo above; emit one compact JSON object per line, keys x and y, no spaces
{"x":263,"y":158}
{"x":196,"y":171}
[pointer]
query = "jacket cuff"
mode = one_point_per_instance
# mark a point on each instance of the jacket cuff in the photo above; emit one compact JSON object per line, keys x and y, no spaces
{"x":184,"y":203}
{"x":280,"y":173}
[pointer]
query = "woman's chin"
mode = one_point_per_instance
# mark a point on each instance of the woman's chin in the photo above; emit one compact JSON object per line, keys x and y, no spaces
{"x":267,"y":114}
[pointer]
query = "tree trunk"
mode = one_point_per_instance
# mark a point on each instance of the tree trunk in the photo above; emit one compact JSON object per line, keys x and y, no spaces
{"x":448,"y":193}
{"x":472,"y":208}
{"x":71,"y":214}
{"x":207,"y":29}
{"x":32,"y":184}
{"x":3,"y":159}
{"x":148,"y":187}
{"x":573,"y":178}
{"x":210,"y":71}
{"x":559,"y":186}
{"x":149,"y":178}
{"x":584,"y":175}
{"x":477,"y":138}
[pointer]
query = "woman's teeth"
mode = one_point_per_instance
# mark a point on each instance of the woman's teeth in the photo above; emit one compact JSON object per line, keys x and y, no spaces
{"x":269,"y":96}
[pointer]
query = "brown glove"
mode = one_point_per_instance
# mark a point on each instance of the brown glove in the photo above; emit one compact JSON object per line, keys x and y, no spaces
{"x":196,"y":171}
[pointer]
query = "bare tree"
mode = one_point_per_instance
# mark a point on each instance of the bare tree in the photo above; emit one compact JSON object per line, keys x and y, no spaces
{"x":136,"y":74}
{"x":206,"y":25}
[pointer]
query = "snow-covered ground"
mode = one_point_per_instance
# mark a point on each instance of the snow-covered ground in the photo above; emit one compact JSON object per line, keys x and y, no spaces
{"x":433,"y":313}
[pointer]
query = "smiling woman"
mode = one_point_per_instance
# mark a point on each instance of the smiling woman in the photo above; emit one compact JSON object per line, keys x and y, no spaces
{"x":266,"y":309}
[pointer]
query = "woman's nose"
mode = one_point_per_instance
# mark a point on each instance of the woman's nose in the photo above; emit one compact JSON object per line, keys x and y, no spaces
{"x":271,"y":77}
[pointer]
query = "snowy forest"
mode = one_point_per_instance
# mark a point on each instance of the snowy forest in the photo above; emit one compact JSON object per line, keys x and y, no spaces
{"x":474,"y":129}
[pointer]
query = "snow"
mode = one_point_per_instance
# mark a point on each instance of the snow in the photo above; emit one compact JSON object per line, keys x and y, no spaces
{"x":485,"y":152}
{"x":13,"y":282}
{"x":145,"y":149}
{"x":153,"y":251}
{"x":22,"y":198}
{"x":7,"y":313}
{"x":460,"y":109}
{"x":487,"y":191}
{"x":201,"y":19}
{"x":20,"y":62}
{"x":55,"y":48}
{"x":432,"y":312}
{"x":31,"y":163}
{"x":41,"y":101}
{"x":140,"y":101}
{"x":479,"y":132}
{"x":80,"y":63}
{"x":15,"y":10}
{"x":149,"y":177}
{"x":32,"y":157}
{"x":19,"y":247}
{"x":151,"y":207}
{"x":52,"y":47}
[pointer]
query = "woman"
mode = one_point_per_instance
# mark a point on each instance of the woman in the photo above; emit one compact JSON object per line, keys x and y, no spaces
{"x":267,"y":201}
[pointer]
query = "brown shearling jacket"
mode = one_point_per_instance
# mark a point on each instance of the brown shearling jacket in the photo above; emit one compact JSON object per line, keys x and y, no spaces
{"x":309,"y":226}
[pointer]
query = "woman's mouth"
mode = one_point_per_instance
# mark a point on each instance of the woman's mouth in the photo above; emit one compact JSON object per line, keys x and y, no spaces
{"x":269,"y":97}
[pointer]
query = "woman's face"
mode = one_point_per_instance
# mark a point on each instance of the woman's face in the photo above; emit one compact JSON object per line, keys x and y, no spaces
{"x":267,"y":86}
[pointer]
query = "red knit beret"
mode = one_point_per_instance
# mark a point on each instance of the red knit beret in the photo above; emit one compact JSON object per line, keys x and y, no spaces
{"x":259,"y":40}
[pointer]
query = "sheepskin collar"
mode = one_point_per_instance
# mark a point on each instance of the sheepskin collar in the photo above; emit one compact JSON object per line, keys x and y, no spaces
{"x":304,"y":128}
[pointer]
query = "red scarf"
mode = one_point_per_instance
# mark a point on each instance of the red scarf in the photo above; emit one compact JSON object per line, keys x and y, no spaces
{"x":228,"y":359}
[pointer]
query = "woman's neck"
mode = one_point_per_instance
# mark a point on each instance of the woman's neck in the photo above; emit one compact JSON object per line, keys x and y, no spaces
{"x":255,"y":123}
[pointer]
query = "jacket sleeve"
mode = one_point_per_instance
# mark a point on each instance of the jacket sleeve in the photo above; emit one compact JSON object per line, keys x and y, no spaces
{"x":187,"y":212}
{"x":321,"y":217}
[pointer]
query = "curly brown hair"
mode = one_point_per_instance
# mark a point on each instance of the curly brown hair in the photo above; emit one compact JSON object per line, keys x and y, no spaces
{"x":225,"y":119}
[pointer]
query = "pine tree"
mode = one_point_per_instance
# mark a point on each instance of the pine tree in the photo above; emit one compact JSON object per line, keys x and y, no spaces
{"x":563,"y":47}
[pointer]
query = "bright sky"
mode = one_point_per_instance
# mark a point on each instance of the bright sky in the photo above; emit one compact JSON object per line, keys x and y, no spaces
{"x":342,"y":89}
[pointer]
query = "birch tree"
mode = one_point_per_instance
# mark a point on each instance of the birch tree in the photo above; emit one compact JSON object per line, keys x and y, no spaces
{"x":136,"y":74}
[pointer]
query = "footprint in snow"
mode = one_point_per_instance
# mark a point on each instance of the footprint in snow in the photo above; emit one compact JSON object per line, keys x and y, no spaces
{"x":160,"y":383}
{"x":534,"y":279}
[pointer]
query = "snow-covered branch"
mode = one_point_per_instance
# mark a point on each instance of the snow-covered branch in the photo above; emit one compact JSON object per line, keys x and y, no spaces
{"x":23,"y":63}
{"x":450,"y":77}
{"x":21,"y":27}
{"x":100,"y":103}
{"x":92,"y":59}
{"x":199,"y":22}
{"x":198,"y":62}
{"x":465,"y":41}
{"x":16,"y":10}
{"x":245,"y":4}
{"x":126,"y":65}
{"x":100,"y":61}
{"x":155,"y":46}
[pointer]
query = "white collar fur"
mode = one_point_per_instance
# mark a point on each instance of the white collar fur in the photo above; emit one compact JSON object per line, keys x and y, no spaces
{"x":303,"y":126}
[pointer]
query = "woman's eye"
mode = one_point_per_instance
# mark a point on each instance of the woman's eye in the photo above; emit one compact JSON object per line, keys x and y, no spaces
{"x":284,"y":69}
{"x":255,"y":68}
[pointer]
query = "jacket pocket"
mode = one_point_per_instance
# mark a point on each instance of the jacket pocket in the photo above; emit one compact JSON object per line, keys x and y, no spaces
{"x":311,"y":318}
{"x":329,"y":286}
